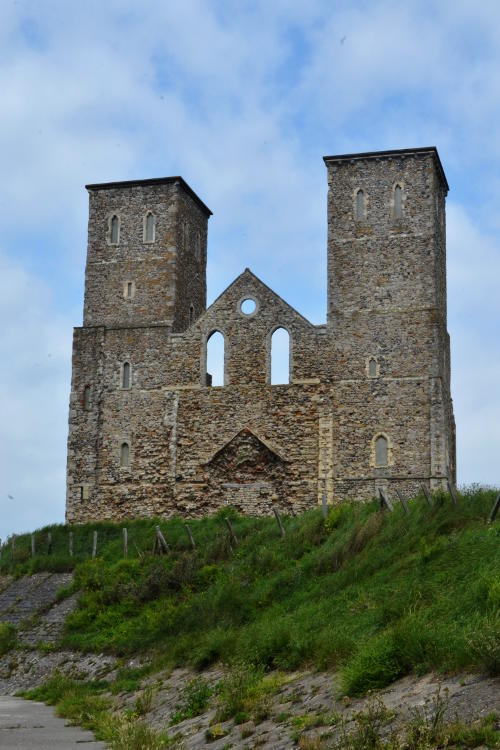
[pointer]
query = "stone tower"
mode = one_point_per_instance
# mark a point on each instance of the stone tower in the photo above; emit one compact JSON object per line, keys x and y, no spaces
{"x":387,"y":289}
{"x":146,"y":258}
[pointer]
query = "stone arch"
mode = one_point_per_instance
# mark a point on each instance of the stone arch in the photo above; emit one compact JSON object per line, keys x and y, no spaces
{"x":372,"y":367}
{"x":126,"y":375}
{"x":149,"y":227}
{"x":381,"y":450}
{"x":359,"y":203}
{"x":398,"y":200}
{"x":114,"y":228}
{"x":217,"y":361}
{"x":125,"y":454}
{"x":269,"y":355}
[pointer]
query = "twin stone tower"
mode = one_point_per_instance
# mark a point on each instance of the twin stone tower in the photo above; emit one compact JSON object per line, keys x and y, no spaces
{"x":368,"y":402}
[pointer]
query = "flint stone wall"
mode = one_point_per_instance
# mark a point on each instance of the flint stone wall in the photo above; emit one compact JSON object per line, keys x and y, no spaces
{"x":194,"y":448}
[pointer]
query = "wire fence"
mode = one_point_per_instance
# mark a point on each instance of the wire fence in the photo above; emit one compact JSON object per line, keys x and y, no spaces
{"x":43,"y":544}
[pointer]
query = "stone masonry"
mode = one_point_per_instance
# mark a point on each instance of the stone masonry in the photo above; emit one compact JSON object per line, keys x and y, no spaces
{"x":368,"y":402}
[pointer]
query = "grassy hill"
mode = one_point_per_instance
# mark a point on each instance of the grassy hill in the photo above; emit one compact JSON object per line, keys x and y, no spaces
{"x":374,"y":594}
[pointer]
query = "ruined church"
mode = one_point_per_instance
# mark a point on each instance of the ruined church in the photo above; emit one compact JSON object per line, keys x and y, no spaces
{"x":367,"y":404}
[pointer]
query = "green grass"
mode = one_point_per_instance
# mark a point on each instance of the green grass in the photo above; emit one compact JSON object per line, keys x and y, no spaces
{"x":8,"y":637}
{"x":378,"y":595}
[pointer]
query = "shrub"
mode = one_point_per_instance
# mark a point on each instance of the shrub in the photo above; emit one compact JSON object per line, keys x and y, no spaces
{"x":485,"y":643}
{"x":8,"y":637}
{"x":374,"y":666}
{"x":195,"y":699}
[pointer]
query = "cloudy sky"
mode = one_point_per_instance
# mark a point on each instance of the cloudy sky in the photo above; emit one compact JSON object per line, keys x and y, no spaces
{"x":243,"y":99}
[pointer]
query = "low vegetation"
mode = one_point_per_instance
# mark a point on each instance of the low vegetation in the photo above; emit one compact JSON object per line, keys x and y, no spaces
{"x":375,"y":594}
{"x":87,"y":705}
{"x":374,"y":728}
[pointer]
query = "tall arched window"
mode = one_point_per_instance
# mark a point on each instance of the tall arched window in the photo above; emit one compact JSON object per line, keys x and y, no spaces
{"x":115,"y":229}
{"x":125,"y":454}
{"x":126,"y":375}
{"x":86,"y":398}
{"x":381,"y":451}
{"x":149,"y":233}
{"x":398,"y":202}
{"x":215,"y":359}
{"x":280,"y":357}
{"x":360,"y":205}
{"x":372,"y":367}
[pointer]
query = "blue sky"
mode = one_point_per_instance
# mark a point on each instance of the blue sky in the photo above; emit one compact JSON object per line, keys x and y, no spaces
{"x":242,"y":99}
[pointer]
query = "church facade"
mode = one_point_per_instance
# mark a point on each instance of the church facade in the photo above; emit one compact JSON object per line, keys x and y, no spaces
{"x":368,"y":401}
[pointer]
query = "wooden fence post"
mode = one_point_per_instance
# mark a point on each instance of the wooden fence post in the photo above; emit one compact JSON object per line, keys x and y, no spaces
{"x":160,"y":542}
{"x":71,"y":544}
{"x":190,"y":535}
{"x":427,"y":494}
{"x":323,"y":504}
{"x":384,"y":499}
{"x":278,"y":519}
{"x":49,"y":543}
{"x":402,"y":501}
{"x":231,"y":532}
{"x":94,"y":546}
{"x":125,"y":543}
{"x":495,"y":509}
{"x":452,"y":491}
{"x":32,"y":545}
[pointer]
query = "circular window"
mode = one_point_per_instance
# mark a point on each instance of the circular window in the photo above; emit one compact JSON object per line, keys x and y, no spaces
{"x":248,"y":306}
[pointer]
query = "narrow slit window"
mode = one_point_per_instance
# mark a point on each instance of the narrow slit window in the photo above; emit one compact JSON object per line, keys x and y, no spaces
{"x":381,"y":451}
{"x":114,"y":230}
{"x":360,"y":205}
{"x":86,"y":398}
{"x":129,"y":290}
{"x":150,"y":227}
{"x":372,"y":368}
{"x":280,"y":357}
{"x":398,"y":202}
{"x":215,"y":359}
{"x":126,"y":375}
{"x":125,"y":455}
{"x":191,"y":314}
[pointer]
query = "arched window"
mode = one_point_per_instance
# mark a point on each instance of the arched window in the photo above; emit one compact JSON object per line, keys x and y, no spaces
{"x":398,"y":202}
{"x":215,"y":359}
{"x":185,"y":235}
{"x":149,"y":230}
{"x":372,"y":367}
{"x":86,"y":398}
{"x":360,"y":205}
{"x":125,"y":455}
{"x":381,"y":451}
{"x":115,"y":229}
{"x":280,"y":357}
{"x":126,"y":375}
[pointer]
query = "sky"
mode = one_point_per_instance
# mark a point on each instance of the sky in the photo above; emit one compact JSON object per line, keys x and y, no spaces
{"x":243,"y":99}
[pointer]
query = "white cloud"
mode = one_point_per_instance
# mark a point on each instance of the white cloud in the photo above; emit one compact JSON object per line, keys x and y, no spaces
{"x":35,"y":350}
